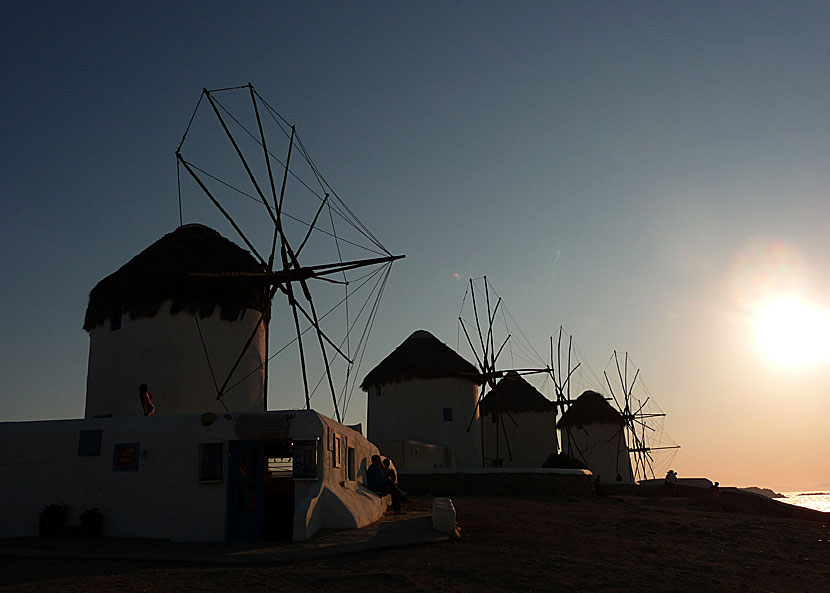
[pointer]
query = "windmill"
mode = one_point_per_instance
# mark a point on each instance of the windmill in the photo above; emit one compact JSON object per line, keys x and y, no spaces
{"x":643,"y":433}
{"x":286,"y":213}
{"x":562,"y":387}
{"x":488,"y":343}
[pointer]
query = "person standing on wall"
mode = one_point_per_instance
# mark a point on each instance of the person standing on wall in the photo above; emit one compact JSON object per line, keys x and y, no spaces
{"x":146,"y":400}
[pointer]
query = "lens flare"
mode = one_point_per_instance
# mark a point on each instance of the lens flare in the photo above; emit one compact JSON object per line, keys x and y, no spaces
{"x":764,"y":269}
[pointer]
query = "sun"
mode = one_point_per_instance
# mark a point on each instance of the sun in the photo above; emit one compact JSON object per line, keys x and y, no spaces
{"x":793,"y":333}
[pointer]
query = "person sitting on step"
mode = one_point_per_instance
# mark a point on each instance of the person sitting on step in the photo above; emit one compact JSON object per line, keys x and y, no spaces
{"x":378,"y":482}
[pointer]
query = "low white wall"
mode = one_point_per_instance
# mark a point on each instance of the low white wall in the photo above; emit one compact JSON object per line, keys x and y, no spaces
{"x":498,"y":482}
{"x":40,"y":465}
{"x":417,"y":455}
{"x":339,"y":500}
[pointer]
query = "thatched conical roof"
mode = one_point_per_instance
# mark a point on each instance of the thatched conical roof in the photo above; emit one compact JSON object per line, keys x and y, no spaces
{"x":421,"y":355}
{"x":160,"y":273}
{"x":513,"y":394}
{"x":590,"y":408}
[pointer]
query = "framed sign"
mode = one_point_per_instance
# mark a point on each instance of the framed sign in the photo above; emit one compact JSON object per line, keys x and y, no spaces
{"x":125,"y":457}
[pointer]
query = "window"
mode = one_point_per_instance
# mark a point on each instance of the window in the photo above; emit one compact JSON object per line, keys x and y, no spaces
{"x":280,"y":467}
{"x":89,"y":443}
{"x":115,"y":321}
{"x":336,"y":454}
{"x":211,"y":462}
{"x":447,"y":414}
{"x":125,"y":457}
{"x":305,"y":460}
{"x":350,"y":465}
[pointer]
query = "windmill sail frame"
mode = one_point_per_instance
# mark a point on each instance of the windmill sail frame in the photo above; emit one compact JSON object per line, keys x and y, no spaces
{"x":282,"y":271}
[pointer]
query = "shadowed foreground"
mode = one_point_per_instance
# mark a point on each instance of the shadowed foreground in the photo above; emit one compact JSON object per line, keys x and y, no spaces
{"x":607,"y":544}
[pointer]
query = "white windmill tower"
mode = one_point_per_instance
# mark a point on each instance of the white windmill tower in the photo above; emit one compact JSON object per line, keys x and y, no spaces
{"x":199,"y":315}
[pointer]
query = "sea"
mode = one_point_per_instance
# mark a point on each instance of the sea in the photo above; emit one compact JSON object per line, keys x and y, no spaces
{"x":819,"y":501}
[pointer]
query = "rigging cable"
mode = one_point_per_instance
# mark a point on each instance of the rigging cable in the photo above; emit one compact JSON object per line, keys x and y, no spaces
{"x":366,"y":302}
{"x":354,"y":222}
{"x":368,"y":330}
{"x":204,"y":347}
{"x":190,"y":123}
{"x":365,"y":279}
{"x":326,"y":186}
{"x":285,"y":214}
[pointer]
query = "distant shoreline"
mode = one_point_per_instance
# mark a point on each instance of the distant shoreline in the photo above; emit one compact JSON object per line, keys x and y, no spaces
{"x":768,"y":492}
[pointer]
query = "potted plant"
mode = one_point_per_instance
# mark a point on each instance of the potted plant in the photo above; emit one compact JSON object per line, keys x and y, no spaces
{"x":52,"y":519}
{"x":91,"y":523}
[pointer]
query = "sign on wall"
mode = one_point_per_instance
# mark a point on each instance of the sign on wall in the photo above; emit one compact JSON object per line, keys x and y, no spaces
{"x":125,"y":457}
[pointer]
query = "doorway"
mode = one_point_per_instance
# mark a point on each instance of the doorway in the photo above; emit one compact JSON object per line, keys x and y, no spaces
{"x":278,"y":519}
{"x":260,"y":500}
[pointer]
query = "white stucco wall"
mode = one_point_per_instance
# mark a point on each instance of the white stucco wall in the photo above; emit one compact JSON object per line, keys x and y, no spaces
{"x":602,"y":447}
{"x":531,"y":438}
{"x":417,"y":455}
{"x":414,"y":410}
{"x":40,"y":465}
{"x":336,"y":501}
{"x":166,"y":352}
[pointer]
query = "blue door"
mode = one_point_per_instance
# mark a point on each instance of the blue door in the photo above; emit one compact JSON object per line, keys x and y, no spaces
{"x":245,"y":491}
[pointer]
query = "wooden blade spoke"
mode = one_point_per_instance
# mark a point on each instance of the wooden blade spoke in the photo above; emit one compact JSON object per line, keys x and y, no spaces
{"x":622,"y":381}
{"x":311,"y":320}
{"x":241,"y":156}
{"x":313,"y":223}
{"x":611,"y":389}
{"x":320,"y":336}
{"x":633,"y":381}
{"x":642,"y":405}
{"x":247,"y":345}
{"x":470,"y":342}
{"x":292,"y":301}
{"x":507,"y":339}
{"x":478,"y":324}
{"x":224,"y":212}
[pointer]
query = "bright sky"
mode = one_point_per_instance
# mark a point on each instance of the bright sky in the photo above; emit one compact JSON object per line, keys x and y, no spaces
{"x":653,"y":176}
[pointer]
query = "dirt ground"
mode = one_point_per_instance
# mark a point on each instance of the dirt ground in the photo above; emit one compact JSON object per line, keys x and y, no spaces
{"x":601,"y":544}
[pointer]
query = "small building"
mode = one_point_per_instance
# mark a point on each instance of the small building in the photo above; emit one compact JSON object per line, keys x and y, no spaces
{"x":593,"y":432}
{"x":425,"y":392}
{"x":519,"y":424}
{"x":190,"y":477}
{"x":178,"y":316}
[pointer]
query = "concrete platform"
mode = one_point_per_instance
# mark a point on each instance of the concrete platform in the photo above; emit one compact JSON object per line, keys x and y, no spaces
{"x":390,"y":531}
